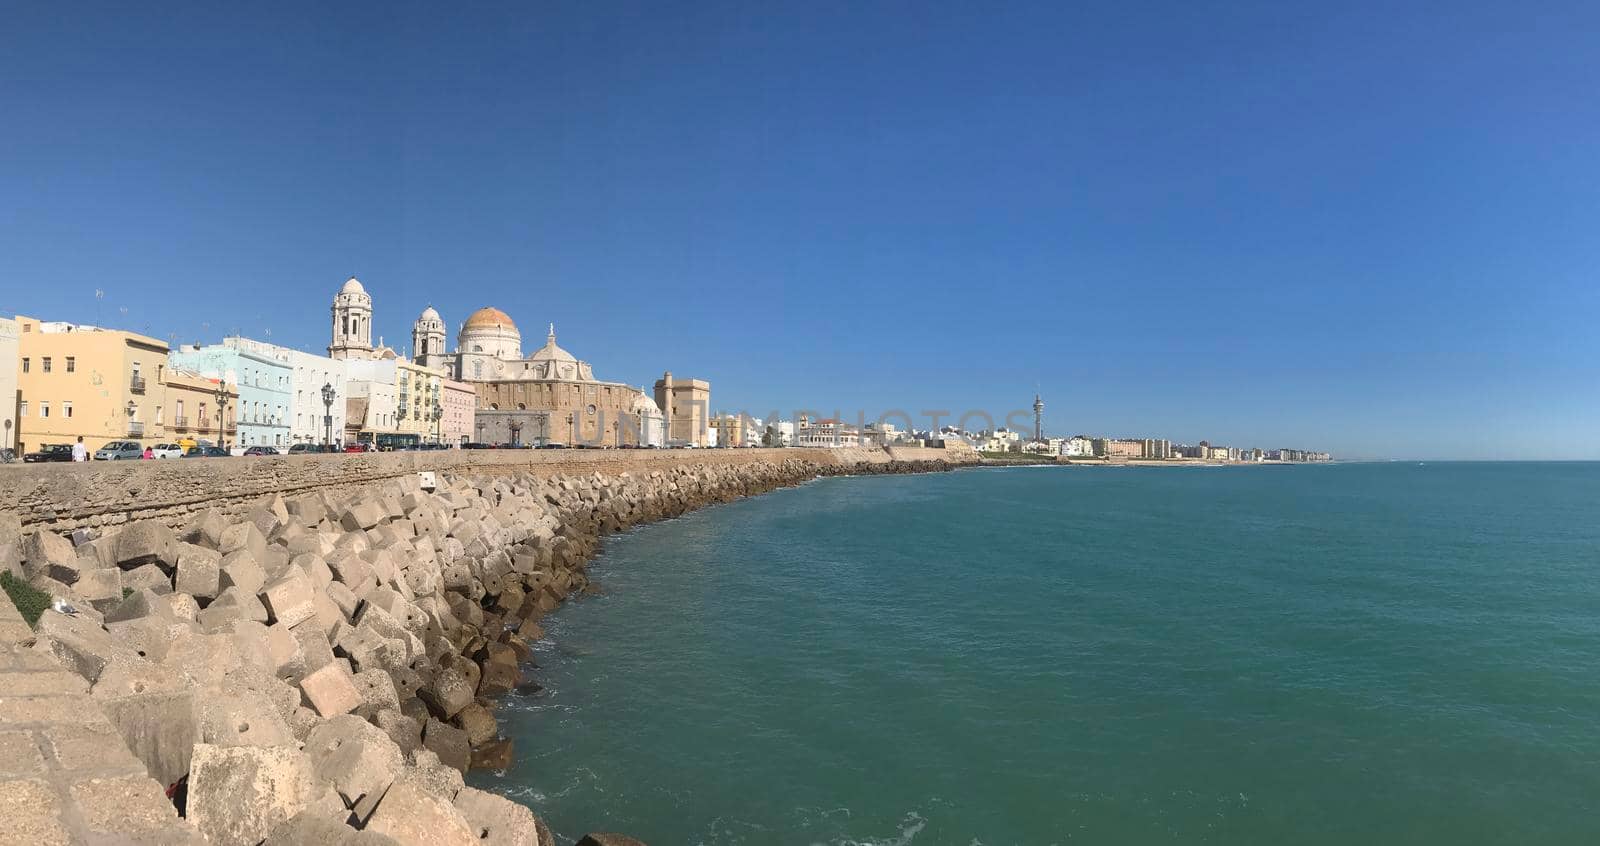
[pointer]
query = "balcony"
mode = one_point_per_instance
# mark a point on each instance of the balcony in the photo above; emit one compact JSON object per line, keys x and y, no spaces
{"x":135,"y":429}
{"x":136,"y":384}
{"x":180,"y":422}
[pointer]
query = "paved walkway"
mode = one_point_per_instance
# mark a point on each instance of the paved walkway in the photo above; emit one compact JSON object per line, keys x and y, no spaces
{"x":66,"y":776}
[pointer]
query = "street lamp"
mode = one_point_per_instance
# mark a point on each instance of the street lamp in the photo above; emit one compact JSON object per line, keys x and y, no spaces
{"x":222,"y":413}
{"x":327,"y":414}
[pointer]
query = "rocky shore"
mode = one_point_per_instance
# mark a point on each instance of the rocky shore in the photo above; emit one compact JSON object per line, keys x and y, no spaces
{"x":324,"y":667}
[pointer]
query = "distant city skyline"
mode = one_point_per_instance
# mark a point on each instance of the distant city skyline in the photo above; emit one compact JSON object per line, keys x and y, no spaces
{"x":1340,"y":228}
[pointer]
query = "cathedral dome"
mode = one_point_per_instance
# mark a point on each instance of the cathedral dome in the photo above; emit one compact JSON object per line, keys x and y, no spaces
{"x":489,"y":317}
{"x":429,"y":314}
{"x":352,"y":286}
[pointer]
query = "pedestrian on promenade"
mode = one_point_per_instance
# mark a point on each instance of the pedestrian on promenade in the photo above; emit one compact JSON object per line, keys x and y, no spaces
{"x":149,"y":454}
{"x":79,"y":451}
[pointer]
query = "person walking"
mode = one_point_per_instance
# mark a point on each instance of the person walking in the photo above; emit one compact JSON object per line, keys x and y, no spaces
{"x":149,"y":454}
{"x":79,"y":451}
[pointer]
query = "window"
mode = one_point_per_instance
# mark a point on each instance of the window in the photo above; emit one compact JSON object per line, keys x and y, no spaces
{"x":25,"y":364}
{"x":22,"y":409}
{"x":44,"y":409}
{"x":72,"y":364}
{"x":66,"y":407}
{"x":158,"y":416}
{"x":44,"y":364}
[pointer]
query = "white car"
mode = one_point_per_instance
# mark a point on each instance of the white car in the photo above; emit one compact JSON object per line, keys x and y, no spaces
{"x":167,"y":451}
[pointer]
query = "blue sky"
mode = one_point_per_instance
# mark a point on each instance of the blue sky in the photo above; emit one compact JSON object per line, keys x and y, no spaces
{"x":1349,"y":226}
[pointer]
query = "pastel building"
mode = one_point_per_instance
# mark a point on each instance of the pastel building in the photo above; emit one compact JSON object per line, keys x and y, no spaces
{"x":265,"y":382}
{"x":84,"y":381}
{"x":460,"y":404}
{"x":10,"y":338}
{"x":370,"y":414}
{"x":309,"y":373}
{"x":197,"y":408}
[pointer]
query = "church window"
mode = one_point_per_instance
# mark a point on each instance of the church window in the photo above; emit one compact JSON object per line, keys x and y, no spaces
{"x":591,"y":408}
{"x":477,"y":370}
{"x":522,"y":406}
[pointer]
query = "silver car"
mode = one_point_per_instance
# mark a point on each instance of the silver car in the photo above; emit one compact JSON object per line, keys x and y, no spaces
{"x":119,"y":451}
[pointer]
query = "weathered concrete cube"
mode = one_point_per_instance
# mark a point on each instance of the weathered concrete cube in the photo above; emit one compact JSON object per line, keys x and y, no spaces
{"x":448,"y":742}
{"x":330,"y":691}
{"x":410,"y":814}
{"x":240,"y":569}
{"x":145,"y":542}
{"x":362,"y":514}
{"x":244,"y":536}
{"x":357,"y":758}
{"x":199,"y":571}
{"x":147,"y":577}
{"x":289,"y":599}
{"x":239,"y":794}
{"x":498,"y":820}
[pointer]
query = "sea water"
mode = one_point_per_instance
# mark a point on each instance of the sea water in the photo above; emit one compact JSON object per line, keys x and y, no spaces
{"x":1329,"y":654}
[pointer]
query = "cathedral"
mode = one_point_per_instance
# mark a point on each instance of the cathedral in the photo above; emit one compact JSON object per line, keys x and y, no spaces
{"x":549,"y":396}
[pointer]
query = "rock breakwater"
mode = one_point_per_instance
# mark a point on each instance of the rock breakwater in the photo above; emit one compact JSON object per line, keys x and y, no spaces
{"x":323,"y":668}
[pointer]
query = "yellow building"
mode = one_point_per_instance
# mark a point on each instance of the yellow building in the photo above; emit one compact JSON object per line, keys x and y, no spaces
{"x":418,"y":396}
{"x":83,"y":381}
{"x":190,"y":409}
{"x":730,"y":429}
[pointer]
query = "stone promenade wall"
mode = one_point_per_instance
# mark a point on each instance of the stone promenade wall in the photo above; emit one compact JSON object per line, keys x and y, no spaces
{"x":63,"y":497}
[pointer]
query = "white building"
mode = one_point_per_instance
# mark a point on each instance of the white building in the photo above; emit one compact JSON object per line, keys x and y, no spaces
{"x":1077,"y":446}
{"x":826,"y":433}
{"x":310,"y":373}
{"x":1001,"y":440}
{"x":370,"y":391}
{"x":10,"y":343}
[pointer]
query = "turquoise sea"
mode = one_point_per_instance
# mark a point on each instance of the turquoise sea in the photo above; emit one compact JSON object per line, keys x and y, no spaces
{"x":1336,"y":654}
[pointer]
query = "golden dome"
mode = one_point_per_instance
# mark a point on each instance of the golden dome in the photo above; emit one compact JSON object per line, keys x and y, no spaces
{"x":489,"y":317}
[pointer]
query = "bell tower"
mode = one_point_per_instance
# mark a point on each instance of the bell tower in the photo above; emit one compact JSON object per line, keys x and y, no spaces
{"x":427,"y":339}
{"x":352,"y":322}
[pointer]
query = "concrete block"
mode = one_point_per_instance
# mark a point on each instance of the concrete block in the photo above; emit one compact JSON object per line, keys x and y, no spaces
{"x":410,"y":814}
{"x":145,"y":542}
{"x":198,"y":572}
{"x":448,"y":742}
{"x":498,"y":820}
{"x":148,"y":577}
{"x":239,"y":717}
{"x":245,"y":536}
{"x":78,"y":643}
{"x":403,"y":730}
{"x":100,"y":588}
{"x":478,"y":723}
{"x":289,"y":599}
{"x":159,"y":728}
{"x":330,"y":691}
{"x":357,"y":758}
{"x":239,"y":794}
{"x":205,"y":530}
{"x":377,"y":693}
{"x":241,"y":569}
{"x":362,"y":514}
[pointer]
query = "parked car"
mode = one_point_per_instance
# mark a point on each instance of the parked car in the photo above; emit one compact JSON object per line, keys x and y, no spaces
{"x":360,"y":447}
{"x":166,"y":451}
{"x":261,"y":450}
{"x":206,"y":452}
{"x":311,"y":449}
{"x":554,"y":445}
{"x":49,"y":452}
{"x":120,"y":451}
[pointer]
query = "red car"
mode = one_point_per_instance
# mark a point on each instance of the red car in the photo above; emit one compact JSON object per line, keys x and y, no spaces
{"x":360,"y":447}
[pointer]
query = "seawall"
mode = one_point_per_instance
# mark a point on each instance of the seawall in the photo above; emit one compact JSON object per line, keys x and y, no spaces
{"x":324,"y":664}
{"x":63,"y":497}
